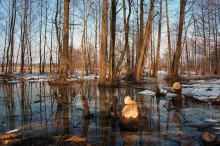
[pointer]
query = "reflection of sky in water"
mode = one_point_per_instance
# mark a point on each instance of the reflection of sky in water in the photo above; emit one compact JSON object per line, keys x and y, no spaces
{"x":39,"y":114}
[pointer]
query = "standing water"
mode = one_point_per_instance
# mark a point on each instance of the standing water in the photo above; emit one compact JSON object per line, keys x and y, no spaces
{"x":83,"y":109}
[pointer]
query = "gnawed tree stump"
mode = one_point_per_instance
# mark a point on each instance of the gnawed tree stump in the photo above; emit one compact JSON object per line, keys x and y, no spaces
{"x":129,"y":119}
{"x":216,"y":101}
{"x":208,"y":139}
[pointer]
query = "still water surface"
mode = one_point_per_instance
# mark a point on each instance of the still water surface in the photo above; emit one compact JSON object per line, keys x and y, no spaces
{"x":40,"y":109}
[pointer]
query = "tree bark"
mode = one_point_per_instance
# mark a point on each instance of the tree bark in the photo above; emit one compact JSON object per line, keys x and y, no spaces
{"x":204,"y":40}
{"x":168,"y":36}
{"x":177,"y":54}
{"x":112,"y":41}
{"x":126,"y":33}
{"x":156,"y":66}
{"x":64,"y":54}
{"x":103,"y":50}
{"x":144,"y":46}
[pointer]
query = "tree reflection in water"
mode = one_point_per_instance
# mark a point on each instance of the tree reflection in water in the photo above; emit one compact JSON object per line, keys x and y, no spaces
{"x":85,"y":110}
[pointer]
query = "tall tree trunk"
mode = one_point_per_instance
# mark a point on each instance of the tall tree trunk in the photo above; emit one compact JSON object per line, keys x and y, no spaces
{"x":10,"y":48}
{"x":23,"y":36}
{"x":45,"y":39}
{"x":64,"y":54}
{"x":40,"y":53}
{"x":195,"y":44}
{"x":144,"y":46}
{"x":216,"y":32}
{"x":141,"y":20}
{"x":168,"y":36}
{"x":126,"y":33}
{"x":96,"y":42}
{"x":103,"y":50}
{"x":51,"y":50}
{"x":141,"y":27}
{"x":138,"y":32}
{"x":177,"y":54}
{"x":112,"y":40}
{"x":84,"y":39}
{"x":127,"y":43}
{"x":3,"y":57}
{"x":157,"y":63}
{"x":58,"y":36}
{"x":204,"y":40}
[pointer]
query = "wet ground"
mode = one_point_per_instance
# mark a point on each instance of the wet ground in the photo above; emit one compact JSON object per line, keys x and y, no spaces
{"x":39,"y":111}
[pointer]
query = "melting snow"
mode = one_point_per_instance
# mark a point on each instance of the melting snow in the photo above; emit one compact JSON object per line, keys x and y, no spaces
{"x":147,"y":92}
{"x":202,"y":89}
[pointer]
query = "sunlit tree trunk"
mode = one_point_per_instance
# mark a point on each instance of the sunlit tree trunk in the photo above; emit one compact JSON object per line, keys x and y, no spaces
{"x":58,"y":36}
{"x":112,"y":41}
{"x":195,"y":45}
{"x":64,"y":54}
{"x":168,"y":36}
{"x":128,"y":54}
{"x":40,"y":53}
{"x":3,"y":57}
{"x":140,"y":26}
{"x":10,"y":48}
{"x":29,"y":36}
{"x":177,"y":54}
{"x":51,"y":50}
{"x":24,"y":36}
{"x":45,"y":38}
{"x":96,"y":42}
{"x":157,"y":63}
{"x":84,"y":39}
{"x":217,"y":55}
{"x":145,"y":43}
{"x":103,"y":50}
{"x":126,"y":33}
{"x":204,"y":41}
{"x":137,"y":32}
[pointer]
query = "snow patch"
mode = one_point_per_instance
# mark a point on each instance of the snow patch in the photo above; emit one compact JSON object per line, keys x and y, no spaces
{"x":147,"y":92}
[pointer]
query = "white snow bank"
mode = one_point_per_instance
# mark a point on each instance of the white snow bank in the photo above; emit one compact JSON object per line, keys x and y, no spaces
{"x":202,"y":89}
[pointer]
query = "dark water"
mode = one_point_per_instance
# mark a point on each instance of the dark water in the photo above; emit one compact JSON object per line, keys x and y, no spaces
{"x":40,"y":109}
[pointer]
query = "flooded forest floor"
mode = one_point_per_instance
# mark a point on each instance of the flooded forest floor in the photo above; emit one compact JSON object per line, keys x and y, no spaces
{"x":32,"y":112}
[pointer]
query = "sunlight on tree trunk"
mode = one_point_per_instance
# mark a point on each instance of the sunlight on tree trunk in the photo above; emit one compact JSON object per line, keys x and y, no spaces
{"x":177,"y":54}
{"x":103,"y":50}
{"x":145,"y":43}
{"x":64,"y":54}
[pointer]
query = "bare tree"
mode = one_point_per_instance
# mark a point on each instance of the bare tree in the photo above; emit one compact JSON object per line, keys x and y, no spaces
{"x":144,"y":46}
{"x":103,"y":50}
{"x":112,"y":41}
{"x":64,"y":53}
{"x":156,"y":65}
{"x":84,"y":36}
{"x":177,"y":54}
{"x":10,"y":48}
{"x":168,"y":36}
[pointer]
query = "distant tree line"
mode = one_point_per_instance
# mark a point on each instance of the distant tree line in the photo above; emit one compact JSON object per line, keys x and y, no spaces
{"x":115,"y":37}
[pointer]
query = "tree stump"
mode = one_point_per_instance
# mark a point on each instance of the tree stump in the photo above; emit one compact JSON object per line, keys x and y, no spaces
{"x":129,"y":119}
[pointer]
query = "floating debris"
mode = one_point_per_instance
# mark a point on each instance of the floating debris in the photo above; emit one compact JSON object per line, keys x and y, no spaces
{"x":12,"y":131}
{"x":76,"y":139}
{"x":211,"y":120}
{"x":147,"y":92}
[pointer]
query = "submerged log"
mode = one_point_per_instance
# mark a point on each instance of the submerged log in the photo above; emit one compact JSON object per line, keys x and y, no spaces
{"x":58,"y":82}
